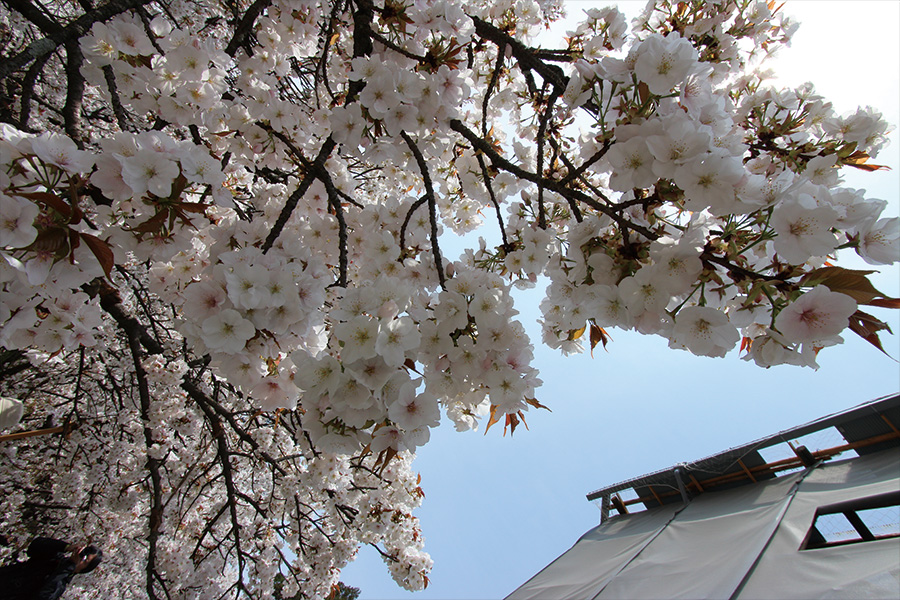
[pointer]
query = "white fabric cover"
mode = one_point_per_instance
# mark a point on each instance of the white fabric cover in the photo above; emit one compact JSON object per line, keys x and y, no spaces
{"x":739,"y":543}
{"x":579,"y":573}
{"x":862,"y":570}
{"x":10,"y":412}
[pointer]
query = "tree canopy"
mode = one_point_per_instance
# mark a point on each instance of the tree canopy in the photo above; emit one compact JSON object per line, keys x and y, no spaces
{"x":223,"y":288}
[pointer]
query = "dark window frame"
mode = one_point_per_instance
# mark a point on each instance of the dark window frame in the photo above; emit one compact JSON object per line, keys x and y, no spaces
{"x":849,"y":508}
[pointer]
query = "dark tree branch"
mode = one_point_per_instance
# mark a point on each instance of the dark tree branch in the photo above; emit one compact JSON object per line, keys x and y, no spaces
{"x":432,"y":205}
{"x":70,"y":32}
{"x":74,"y":92}
{"x":362,"y":42}
{"x":31,"y":12}
{"x":495,"y":75}
{"x":224,"y":457}
{"x":153,"y":464}
{"x":566,"y":192}
{"x":389,"y":44}
{"x":292,"y":201}
{"x":119,"y":110}
{"x":243,"y":28}
{"x":28,"y":83}
{"x":334,"y":199}
{"x":542,"y":131}
{"x":526,"y":57}
{"x":487,"y":183}
{"x":422,"y":200}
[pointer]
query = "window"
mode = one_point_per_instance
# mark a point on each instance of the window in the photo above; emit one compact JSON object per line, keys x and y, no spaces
{"x":862,"y":520}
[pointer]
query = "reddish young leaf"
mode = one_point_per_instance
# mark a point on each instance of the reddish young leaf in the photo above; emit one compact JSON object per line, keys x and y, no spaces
{"x":522,"y":418}
{"x":858,"y":160}
{"x":50,"y":200}
{"x":846,"y":281}
{"x":493,"y":419}
{"x":536,"y":404}
{"x":885,"y":302}
{"x":644,"y":92}
{"x":598,"y":335}
{"x":512,"y":421}
{"x":101,"y":250}
{"x":867,"y":327}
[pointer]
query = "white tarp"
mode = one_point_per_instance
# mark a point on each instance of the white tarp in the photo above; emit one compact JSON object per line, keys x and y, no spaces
{"x":862,"y":570}
{"x":739,"y":543}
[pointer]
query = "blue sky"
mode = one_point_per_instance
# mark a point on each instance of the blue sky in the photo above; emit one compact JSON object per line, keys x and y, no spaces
{"x":499,"y":509}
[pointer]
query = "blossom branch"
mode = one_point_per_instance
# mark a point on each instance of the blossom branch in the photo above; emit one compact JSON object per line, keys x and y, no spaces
{"x":415,"y":205}
{"x":495,"y":75}
{"x":244,"y":27}
{"x":232,"y":493}
{"x":291,"y":203}
{"x":28,"y":83}
{"x":487,"y":183}
{"x":566,"y":192}
{"x":153,"y":464}
{"x":542,"y":131}
{"x":432,"y":205}
{"x":70,"y":32}
{"x":334,"y":200}
{"x":74,"y":91}
{"x":118,"y":110}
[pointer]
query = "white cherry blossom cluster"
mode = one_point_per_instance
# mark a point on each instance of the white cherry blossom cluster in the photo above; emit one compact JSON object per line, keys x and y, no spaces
{"x":224,"y":262}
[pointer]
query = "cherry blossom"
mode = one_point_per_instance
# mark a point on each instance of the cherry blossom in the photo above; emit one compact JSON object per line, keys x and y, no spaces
{"x":815,"y":316}
{"x":224,"y":256}
{"x":704,"y":331}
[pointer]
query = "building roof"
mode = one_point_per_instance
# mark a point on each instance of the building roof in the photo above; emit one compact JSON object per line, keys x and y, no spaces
{"x":861,"y":430}
{"x":795,"y":527}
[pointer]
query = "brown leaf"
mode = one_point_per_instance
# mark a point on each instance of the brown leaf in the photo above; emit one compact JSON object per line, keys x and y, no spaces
{"x":644,"y":92}
{"x":577,"y":333}
{"x":494,"y":418}
{"x":52,"y":201}
{"x":384,"y":457}
{"x":536,"y":404}
{"x":101,"y":250}
{"x":885,"y":302}
{"x":846,"y":281}
{"x":598,"y":335}
{"x":522,"y":418}
{"x":871,"y":168}
{"x":867,"y":327}
{"x":53,"y":240}
{"x":152,"y":225}
{"x":858,"y":160}
{"x":512,"y":421}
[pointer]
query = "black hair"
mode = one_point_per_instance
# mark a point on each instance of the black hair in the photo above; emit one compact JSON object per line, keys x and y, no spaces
{"x":96,"y":560}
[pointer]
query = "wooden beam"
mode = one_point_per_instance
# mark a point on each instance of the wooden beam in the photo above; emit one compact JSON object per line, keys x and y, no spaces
{"x":747,"y":471}
{"x":804,"y":455}
{"x":695,"y":482}
{"x":27,"y":434}
{"x":619,"y":505}
{"x":891,"y":425}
